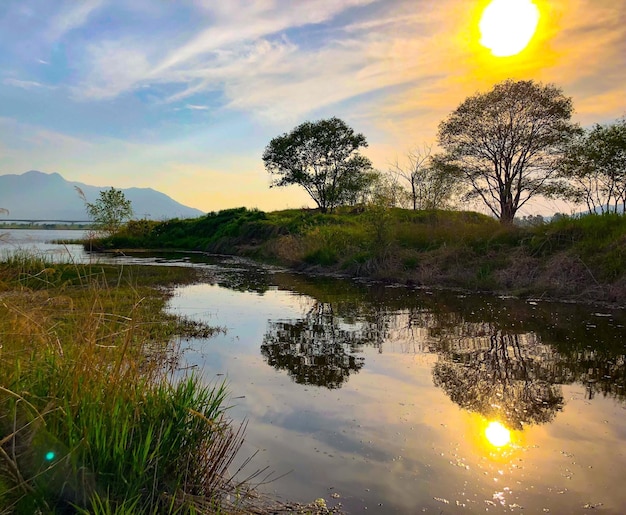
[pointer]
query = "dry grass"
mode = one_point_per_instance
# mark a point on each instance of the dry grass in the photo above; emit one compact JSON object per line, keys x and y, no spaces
{"x":91,"y":419}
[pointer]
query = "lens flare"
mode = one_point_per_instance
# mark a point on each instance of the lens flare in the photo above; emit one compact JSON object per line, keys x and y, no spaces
{"x":497,"y":434}
{"x":507,"y":26}
{"x":50,"y":455}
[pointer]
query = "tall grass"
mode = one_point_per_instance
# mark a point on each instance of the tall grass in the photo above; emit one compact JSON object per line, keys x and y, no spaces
{"x":90,"y":418}
{"x":582,"y":257}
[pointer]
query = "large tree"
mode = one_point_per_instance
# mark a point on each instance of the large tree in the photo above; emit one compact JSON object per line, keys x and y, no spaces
{"x":595,"y":165}
{"x":505,"y":144}
{"x":323,"y":157}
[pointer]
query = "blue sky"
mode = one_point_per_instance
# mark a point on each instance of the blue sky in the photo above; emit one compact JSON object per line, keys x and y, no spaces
{"x":182,"y":96}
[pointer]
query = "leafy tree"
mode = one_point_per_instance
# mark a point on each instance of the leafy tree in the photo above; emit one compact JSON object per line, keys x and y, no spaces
{"x":385,"y":191}
{"x":595,"y":165}
{"x":109,"y":211}
{"x":322,"y":157}
{"x":505,"y":145}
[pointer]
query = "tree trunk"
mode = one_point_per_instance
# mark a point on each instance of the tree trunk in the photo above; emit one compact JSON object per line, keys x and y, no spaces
{"x":507,"y":212}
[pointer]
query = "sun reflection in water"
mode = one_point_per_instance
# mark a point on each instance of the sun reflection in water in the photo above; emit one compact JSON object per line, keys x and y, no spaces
{"x":497,"y":434}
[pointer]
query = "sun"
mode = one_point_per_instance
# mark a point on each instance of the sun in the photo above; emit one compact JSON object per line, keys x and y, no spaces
{"x":507,"y":26}
{"x":497,"y":434}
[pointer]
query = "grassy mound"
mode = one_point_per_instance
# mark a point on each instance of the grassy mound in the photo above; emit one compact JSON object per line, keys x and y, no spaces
{"x":579,"y":257}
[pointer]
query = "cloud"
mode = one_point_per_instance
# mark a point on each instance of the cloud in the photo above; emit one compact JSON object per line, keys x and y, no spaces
{"x":199,"y":65}
{"x":417,"y":55}
{"x":72,"y":16}
{"x":25,"y":84}
{"x":392,"y":68}
{"x":112,"y":68}
{"x":19,"y":133}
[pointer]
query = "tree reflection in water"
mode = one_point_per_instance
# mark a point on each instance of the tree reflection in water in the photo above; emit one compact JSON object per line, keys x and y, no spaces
{"x":503,"y":376}
{"x":316,"y":349}
{"x":505,"y":359}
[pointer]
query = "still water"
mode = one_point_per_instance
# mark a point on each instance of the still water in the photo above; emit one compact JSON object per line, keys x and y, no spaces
{"x":379,"y":398}
{"x":41,"y":241}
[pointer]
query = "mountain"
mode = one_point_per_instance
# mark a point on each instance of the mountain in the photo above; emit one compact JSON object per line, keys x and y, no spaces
{"x":48,"y":196}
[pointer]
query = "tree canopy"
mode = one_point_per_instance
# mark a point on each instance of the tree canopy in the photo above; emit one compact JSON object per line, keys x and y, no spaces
{"x":505,"y":145}
{"x":323,"y":157}
{"x":109,"y":211}
{"x":595,"y":166}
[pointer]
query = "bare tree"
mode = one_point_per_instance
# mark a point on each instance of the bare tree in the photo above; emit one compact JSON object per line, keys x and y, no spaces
{"x":428,"y":187}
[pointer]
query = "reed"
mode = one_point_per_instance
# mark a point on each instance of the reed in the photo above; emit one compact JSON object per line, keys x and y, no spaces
{"x":91,"y":418}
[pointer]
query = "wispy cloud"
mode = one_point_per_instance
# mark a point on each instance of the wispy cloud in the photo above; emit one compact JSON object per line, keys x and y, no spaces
{"x":25,"y":84}
{"x":112,"y":68}
{"x":74,"y":14}
{"x":195,"y":107}
{"x":149,"y":73}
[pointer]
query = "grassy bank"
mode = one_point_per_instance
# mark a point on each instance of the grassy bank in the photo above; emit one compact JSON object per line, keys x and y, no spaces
{"x":574,"y":258}
{"x":90,"y":418}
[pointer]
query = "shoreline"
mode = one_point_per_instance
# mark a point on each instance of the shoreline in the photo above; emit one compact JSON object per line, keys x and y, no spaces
{"x":334,"y":273}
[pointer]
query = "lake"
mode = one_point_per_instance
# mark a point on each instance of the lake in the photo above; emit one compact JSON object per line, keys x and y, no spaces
{"x":381,"y":398}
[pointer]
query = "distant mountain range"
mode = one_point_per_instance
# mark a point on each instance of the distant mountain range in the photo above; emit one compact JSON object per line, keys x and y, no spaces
{"x":48,"y":196}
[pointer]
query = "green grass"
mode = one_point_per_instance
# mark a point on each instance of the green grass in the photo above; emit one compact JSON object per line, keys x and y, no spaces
{"x":90,"y":420}
{"x":461,"y":249}
{"x":598,"y":240}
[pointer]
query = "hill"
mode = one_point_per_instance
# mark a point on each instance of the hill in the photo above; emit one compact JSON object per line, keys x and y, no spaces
{"x":48,"y":196}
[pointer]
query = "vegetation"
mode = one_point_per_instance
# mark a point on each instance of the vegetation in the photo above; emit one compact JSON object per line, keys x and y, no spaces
{"x":595,"y":167}
{"x":55,"y":226}
{"x":90,"y":419}
{"x":428,"y":186}
{"x":322,"y":157}
{"x":109,"y":211}
{"x":505,"y":145}
{"x":570,"y":257}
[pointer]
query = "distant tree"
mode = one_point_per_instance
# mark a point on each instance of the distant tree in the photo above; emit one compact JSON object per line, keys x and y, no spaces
{"x":386,"y":191}
{"x":428,"y":187}
{"x":505,"y":145}
{"x":595,"y":165}
{"x":322,"y":157}
{"x":109,"y":211}
{"x":362,"y":188}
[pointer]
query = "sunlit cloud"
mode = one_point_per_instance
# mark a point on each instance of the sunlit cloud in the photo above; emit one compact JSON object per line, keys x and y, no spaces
{"x":138,"y":78}
{"x":195,"y":107}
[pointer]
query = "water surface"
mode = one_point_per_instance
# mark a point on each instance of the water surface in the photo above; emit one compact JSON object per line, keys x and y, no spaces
{"x":378,"y":397}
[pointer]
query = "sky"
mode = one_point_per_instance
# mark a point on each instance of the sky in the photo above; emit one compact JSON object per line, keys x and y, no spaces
{"x":183,"y":96}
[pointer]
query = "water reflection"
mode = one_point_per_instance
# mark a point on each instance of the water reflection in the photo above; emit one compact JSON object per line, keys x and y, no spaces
{"x":497,"y":434}
{"x":504,"y":360}
{"x":374,"y":428}
{"x":317,"y":349}
{"x":502,"y":376}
